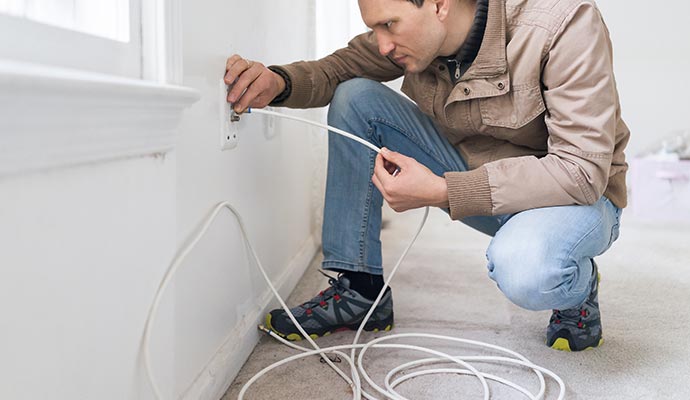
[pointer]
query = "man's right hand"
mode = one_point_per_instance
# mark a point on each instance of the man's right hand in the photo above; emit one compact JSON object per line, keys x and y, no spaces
{"x":251,"y":83}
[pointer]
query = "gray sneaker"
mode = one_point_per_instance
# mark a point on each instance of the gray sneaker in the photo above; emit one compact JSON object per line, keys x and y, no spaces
{"x":579,"y":328}
{"x":334,"y":309}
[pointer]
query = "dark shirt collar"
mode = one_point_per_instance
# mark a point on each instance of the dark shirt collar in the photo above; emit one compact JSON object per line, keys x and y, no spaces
{"x":467,"y":53}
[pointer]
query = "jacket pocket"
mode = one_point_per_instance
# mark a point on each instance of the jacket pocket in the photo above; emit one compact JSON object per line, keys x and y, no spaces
{"x":514,"y":109}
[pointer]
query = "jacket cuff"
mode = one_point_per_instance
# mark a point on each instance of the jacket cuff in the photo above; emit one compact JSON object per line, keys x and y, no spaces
{"x":469,"y":193}
{"x":288,"y":86}
{"x":301,"y":90}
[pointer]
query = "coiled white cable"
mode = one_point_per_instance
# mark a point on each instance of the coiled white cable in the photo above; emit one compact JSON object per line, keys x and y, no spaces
{"x":356,"y":371}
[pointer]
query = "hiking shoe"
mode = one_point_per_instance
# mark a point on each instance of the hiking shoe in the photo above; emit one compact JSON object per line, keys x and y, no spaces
{"x":579,"y":328}
{"x":334,"y":309}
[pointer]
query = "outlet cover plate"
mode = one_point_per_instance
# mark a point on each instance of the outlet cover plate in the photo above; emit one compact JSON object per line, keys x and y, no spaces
{"x":229,"y":131}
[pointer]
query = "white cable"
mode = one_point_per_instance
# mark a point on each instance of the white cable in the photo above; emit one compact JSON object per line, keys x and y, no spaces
{"x":306,"y":121}
{"x":173,"y":269}
{"x":355,"y":380}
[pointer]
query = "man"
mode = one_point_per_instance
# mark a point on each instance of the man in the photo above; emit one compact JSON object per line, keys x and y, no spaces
{"x":516,"y":132}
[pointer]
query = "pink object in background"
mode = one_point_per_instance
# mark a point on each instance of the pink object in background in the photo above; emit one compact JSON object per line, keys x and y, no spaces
{"x":660,"y":189}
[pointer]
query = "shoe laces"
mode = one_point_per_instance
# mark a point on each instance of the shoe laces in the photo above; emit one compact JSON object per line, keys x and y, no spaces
{"x":573,"y":316}
{"x":576,"y":315}
{"x":572,"y":313}
{"x":336,"y":288}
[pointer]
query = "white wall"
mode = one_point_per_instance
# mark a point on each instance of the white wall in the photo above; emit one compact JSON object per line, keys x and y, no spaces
{"x":83,"y":248}
{"x":651,"y":60}
{"x":82,"y":251}
{"x":336,"y":23}
{"x":274,"y":182}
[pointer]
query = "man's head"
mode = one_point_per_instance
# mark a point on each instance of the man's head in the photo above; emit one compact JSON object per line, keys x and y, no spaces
{"x":414,"y":32}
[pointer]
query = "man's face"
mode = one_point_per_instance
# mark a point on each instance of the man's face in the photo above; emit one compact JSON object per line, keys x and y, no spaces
{"x":409,"y":35}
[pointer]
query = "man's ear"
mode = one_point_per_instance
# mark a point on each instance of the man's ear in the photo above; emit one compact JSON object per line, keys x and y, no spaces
{"x":442,"y":8}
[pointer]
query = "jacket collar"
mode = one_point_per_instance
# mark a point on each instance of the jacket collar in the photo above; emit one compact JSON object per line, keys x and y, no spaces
{"x":491,"y":59}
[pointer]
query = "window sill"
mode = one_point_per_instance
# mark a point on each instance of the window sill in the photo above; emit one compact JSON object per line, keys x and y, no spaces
{"x":52,"y":117}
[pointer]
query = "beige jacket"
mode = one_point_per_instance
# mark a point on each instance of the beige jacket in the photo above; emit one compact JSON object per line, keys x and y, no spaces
{"x":537,"y":115}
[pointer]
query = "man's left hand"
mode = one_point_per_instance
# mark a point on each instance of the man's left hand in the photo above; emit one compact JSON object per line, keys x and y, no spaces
{"x":413,"y":186}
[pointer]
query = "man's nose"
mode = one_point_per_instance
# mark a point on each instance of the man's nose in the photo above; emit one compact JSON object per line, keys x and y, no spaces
{"x":386,"y":45}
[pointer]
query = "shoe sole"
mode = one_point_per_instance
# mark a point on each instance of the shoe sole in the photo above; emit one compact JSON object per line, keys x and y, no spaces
{"x":295,"y":337}
{"x":562,"y":344}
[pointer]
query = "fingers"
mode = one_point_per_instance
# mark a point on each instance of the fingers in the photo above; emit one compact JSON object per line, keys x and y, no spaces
{"x":384,"y":192}
{"x":415,"y":186}
{"x":380,"y":171}
{"x":390,"y":167}
{"x":394,"y":157}
{"x":251,"y":83}
{"x":246,"y":88}
{"x":390,"y":199}
{"x":234,"y":67}
{"x":393,"y":162}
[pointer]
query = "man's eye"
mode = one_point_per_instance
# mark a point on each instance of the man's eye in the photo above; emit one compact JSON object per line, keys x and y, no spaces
{"x":389,"y":24}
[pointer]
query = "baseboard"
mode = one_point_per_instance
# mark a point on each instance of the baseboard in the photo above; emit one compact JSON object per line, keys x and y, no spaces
{"x":214,"y":380}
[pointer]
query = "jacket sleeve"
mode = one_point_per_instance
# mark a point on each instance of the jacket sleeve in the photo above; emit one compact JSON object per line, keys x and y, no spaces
{"x":581,"y":113}
{"x":314,"y":82}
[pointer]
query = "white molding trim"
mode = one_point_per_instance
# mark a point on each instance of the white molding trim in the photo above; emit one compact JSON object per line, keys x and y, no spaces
{"x":162,"y":41}
{"x":215,"y":379}
{"x":174,"y":52}
{"x":53,"y":117}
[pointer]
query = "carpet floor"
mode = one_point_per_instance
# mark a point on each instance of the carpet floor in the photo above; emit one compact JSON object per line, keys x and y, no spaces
{"x":443,"y":288}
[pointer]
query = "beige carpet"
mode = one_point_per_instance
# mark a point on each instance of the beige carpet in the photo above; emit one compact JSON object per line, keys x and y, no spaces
{"x":442,"y":287}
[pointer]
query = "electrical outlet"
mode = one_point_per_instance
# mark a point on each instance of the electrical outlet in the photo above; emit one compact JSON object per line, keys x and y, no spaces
{"x":229,"y":129}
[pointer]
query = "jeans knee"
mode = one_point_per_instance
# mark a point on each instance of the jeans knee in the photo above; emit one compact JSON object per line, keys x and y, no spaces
{"x":351,"y":99}
{"x":519,"y":275}
{"x":523,"y":292}
{"x":536,"y":279}
{"x":351,"y":89}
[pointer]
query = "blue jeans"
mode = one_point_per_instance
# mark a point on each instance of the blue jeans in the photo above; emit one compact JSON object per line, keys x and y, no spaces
{"x":540,"y":258}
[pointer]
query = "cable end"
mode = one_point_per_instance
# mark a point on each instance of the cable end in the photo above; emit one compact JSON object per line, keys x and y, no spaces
{"x":264,"y":329}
